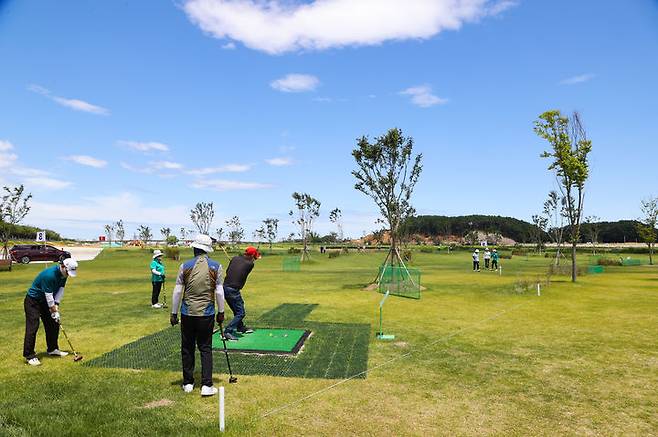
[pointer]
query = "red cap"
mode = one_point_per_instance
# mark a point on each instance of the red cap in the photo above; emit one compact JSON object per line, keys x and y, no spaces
{"x":252,"y":251}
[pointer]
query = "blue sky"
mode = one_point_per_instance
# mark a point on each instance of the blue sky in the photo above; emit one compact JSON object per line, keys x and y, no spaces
{"x":138,"y":110}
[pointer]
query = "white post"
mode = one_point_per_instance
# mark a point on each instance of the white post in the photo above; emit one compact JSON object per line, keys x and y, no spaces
{"x":221,"y":409}
{"x":500,"y":270}
{"x":538,"y":289}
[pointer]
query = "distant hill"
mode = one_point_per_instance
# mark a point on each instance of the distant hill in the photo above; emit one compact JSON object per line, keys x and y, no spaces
{"x":19,"y":232}
{"x":509,"y":227}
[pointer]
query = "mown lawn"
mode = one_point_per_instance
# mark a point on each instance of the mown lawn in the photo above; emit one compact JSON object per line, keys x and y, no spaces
{"x":475,"y":355}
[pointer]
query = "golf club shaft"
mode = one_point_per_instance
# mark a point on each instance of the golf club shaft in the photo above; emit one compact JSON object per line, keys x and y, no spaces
{"x":228,"y":362}
{"x":69,"y":341}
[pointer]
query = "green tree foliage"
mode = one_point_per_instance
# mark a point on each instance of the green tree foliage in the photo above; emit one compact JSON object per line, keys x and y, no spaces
{"x":271,"y":230}
{"x":235,"y":230}
{"x":647,"y":226}
{"x":436,"y":225}
{"x":109,"y":232}
{"x":14,"y":206}
{"x":120,"y":231}
{"x":387,"y":172}
{"x":166,"y":233}
{"x":569,"y":151}
{"x":308,"y":209}
{"x":202,"y":216}
{"x":144,"y":233}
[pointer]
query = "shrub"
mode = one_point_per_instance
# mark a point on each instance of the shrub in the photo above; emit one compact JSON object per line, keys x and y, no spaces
{"x":334,"y":254}
{"x":608,"y":262}
{"x":345,"y":250}
{"x":172,"y":253}
{"x":505,"y":255}
{"x":519,"y":252}
{"x":565,"y":270}
{"x":427,"y":249}
{"x":294,"y":251}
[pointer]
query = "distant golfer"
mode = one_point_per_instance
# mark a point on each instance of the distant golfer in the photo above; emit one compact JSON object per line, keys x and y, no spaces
{"x":494,"y":260}
{"x":487,"y":258}
{"x":199,"y":286}
{"x":236,"y":277}
{"x":157,"y":278}
{"x":42,"y":302}
{"x":476,"y":260}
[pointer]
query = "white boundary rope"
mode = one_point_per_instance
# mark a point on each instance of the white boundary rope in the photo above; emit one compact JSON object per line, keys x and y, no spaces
{"x":385,"y":363}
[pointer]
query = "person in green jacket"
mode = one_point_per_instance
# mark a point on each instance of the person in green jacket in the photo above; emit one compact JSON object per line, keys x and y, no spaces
{"x":157,"y":278}
{"x":494,"y":260}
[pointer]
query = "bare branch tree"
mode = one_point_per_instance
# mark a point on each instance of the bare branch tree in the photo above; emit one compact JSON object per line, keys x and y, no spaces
{"x":120,"y":231}
{"x":555,"y":212}
{"x":145,"y":233}
{"x":271,"y":230}
{"x":647,"y":226}
{"x":308,"y":209}
{"x":202,"y":216}
{"x":235,"y":230}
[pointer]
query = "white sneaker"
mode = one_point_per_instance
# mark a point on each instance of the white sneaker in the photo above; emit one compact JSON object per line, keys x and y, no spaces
{"x":156,"y":305}
{"x":57,"y":353}
{"x":188,"y":388}
{"x":34,"y":362}
{"x":208,"y":391}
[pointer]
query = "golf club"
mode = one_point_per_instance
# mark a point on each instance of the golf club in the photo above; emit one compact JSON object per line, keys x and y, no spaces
{"x":164,"y":296}
{"x":76,"y":357}
{"x":231,"y":379}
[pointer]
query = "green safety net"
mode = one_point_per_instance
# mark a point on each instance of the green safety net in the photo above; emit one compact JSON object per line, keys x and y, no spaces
{"x":631,"y":262}
{"x":595,"y":269}
{"x":291,"y":264}
{"x":399,"y":281}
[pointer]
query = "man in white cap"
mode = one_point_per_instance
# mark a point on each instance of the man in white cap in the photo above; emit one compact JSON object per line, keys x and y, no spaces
{"x":42,"y":302}
{"x":198,"y":288}
{"x":476,"y":260}
{"x":157,"y":278}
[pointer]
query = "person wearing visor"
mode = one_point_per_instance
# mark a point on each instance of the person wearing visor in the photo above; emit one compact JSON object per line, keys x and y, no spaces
{"x":157,"y":278}
{"x":42,"y":302}
{"x":236,"y":277}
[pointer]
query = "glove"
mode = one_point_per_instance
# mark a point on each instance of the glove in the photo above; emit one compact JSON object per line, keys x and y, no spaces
{"x":220,"y":317}
{"x":173,"y":319}
{"x":55,"y":317}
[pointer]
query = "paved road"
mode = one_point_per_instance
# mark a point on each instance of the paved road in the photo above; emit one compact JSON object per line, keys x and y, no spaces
{"x":79,"y":253}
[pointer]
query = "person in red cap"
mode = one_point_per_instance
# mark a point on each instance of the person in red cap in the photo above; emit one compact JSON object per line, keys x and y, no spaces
{"x":236,"y":276}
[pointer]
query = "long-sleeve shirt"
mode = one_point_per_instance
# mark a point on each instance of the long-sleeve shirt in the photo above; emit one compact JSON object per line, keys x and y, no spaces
{"x":198,"y":288}
{"x":476,"y":257}
{"x":157,"y":271}
{"x":237,"y":271}
{"x":48,"y":286}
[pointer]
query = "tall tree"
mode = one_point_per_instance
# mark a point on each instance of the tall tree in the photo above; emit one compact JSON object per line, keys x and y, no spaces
{"x":14,"y":206}
{"x":335,"y":217}
{"x":539,"y":229}
{"x":271,"y":230}
{"x":183,"y":233}
{"x":220,"y":235}
{"x":593,"y":229}
{"x":202,"y":216}
{"x":647,"y":226}
{"x":145,"y":233}
{"x":308,"y":209}
{"x":555,"y":212}
{"x":120,"y":231}
{"x":387,"y":172}
{"x":569,"y":151}
{"x":109,"y":232}
{"x":165,"y":232}
{"x":235,"y":230}
{"x":259,"y":235}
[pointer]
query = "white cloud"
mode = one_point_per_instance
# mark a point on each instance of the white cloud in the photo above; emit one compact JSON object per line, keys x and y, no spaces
{"x":574,"y":80}
{"x":47,"y":183}
{"x":279,"y":162}
{"x":422,"y":96}
{"x":5,"y":146}
{"x":148,"y":146}
{"x":86,"y":160}
{"x":166,"y":165}
{"x":279,"y":26}
{"x":229,"y":168}
{"x":224,"y":185}
{"x":295,"y":83}
{"x":28,"y":172}
{"x":75,"y":104}
{"x":105,"y":209}
{"x":145,"y":169}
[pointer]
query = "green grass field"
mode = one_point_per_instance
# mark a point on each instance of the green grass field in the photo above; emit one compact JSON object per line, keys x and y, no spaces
{"x":477,"y":354}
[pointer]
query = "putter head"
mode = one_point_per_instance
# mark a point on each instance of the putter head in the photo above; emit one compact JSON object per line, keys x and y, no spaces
{"x":77,"y":358}
{"x":232,"y":380}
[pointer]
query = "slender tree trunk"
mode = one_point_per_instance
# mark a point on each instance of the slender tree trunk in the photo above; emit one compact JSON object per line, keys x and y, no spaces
{"x":574,"y":272}
{"x":651,"y":254}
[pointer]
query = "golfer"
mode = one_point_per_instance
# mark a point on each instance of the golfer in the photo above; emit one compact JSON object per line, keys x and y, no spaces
{"x":476,"y":260}
{"x":236,"y":277}
{"x":42,"y":302}
{"x":157,"y":278}
{"x":198,"y":286}
{"x":487,"y":258}
{"x":494,"y":260}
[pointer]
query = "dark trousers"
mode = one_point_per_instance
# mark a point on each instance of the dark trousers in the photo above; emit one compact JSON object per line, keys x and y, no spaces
{"x":196,"y":331}
{"x":157,"y":287}
{"x":486,"y":263}
{"x":35,"y":310}
{"x":236,"y":303}
{"x":476,"y":265}
{"x":494,"y":265}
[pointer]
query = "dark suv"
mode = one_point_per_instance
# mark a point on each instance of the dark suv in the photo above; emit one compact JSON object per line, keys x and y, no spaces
{"x":25,"y":253}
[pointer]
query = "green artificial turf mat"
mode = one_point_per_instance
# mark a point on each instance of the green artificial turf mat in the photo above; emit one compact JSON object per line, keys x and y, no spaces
{"x":333,"y":351}
{"x":264,"y":340}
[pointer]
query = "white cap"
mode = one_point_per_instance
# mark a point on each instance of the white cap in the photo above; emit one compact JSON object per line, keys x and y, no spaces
{"x":203,"y":242}
{"x":71,"y":267}
{"x":477,"y":250}
{"x":157,"y":253}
